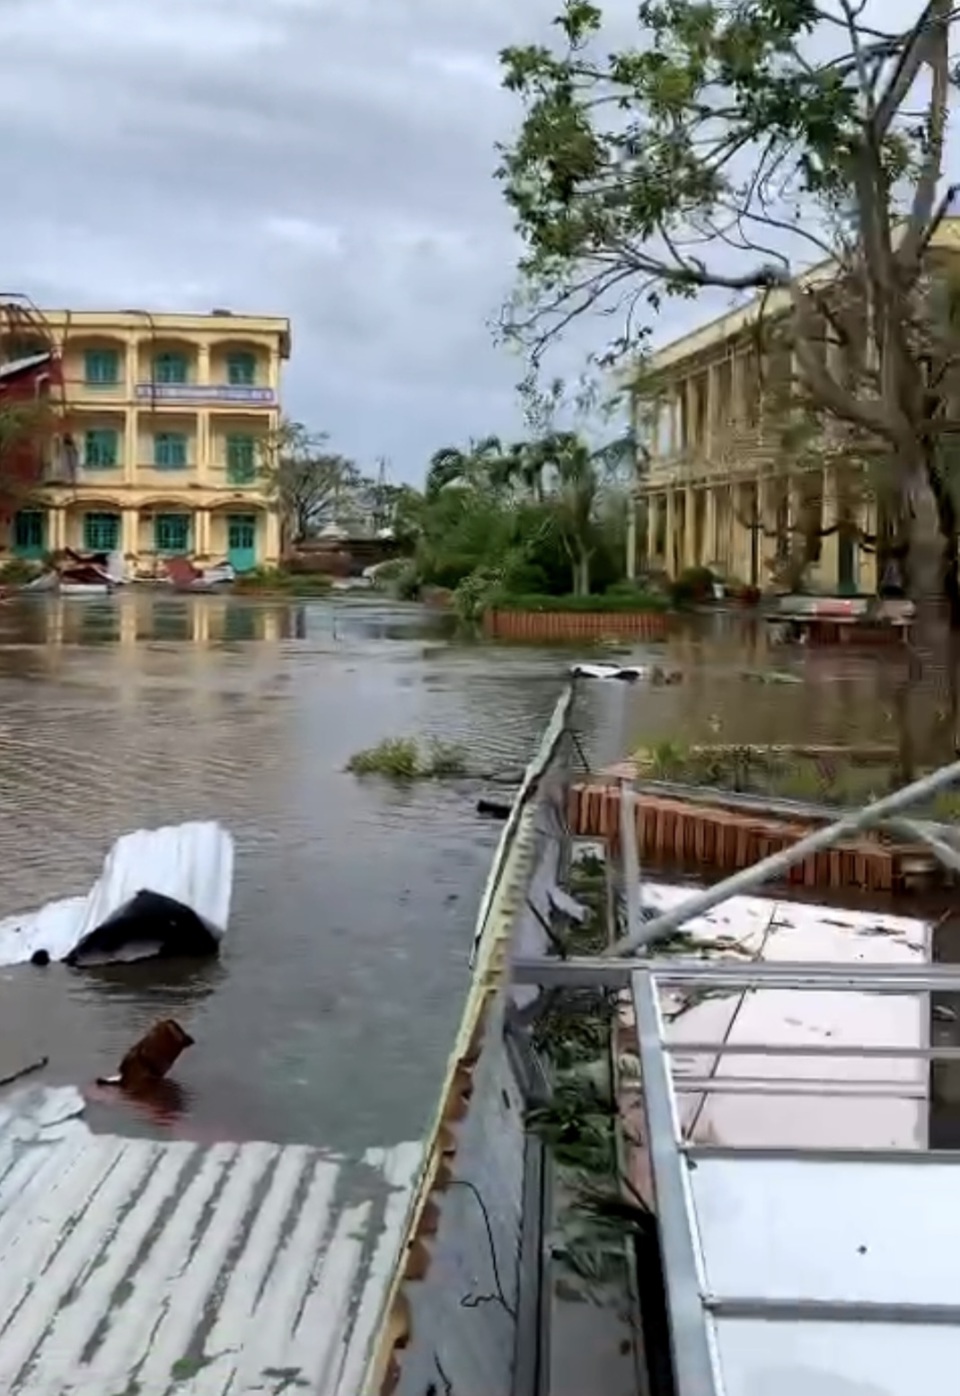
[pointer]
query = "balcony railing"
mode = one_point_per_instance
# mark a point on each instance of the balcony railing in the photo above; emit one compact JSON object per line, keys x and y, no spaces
{"x":245,"y":394}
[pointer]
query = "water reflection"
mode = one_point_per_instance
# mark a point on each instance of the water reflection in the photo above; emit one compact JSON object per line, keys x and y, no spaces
{"x":353,"y":905}
{"x":136,"y":617}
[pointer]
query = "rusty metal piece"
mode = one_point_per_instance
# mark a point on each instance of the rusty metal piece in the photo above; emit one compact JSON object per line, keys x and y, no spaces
{"x":149,"y":1060}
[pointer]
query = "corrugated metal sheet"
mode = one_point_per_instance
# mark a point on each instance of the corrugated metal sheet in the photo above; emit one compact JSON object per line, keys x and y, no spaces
{"x":131,"y":1266}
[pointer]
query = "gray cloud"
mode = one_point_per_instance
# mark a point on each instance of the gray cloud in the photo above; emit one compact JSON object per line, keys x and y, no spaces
{"x":330,"y":161}
{"x":327,"y":159}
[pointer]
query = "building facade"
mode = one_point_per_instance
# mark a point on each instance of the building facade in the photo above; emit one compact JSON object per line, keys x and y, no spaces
{"x":167,"y":419}
{"x":720,"y":489}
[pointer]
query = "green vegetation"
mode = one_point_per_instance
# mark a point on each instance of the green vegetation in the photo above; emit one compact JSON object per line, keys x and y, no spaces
{"x":616,"y":600}
{"x":830,"y":778}
{"x":402,"y":759}
{"x":280,"y":579}
{"x":17,"y":571}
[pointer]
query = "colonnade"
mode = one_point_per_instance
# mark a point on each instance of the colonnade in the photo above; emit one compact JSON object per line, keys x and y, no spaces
{"x":743,"y":528}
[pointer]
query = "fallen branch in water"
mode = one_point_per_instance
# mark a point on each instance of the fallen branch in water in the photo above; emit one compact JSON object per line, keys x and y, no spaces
{"x":25,"y":1071}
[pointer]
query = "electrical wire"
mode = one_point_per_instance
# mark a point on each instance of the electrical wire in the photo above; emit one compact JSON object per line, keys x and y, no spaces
{"x":474,"y":1301}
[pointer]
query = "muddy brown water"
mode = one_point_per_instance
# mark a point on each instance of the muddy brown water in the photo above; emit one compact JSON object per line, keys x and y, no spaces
{"x":330,"y":1014}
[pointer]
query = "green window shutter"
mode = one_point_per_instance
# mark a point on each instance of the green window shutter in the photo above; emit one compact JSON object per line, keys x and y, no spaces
{"x":101,"y":367}
{"x":29,"y":533}
{"x":172,"y":533}
{"x":170,"y":368}
{"x":241,"y":459}
{"x":170,"y":450}
{"x":101,"y":532}
{"x":101,"y":449}
{"x":241,"y":368}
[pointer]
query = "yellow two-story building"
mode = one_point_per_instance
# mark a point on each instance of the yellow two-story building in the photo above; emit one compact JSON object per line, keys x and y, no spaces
{"x":168,"y":421}
{"x":721,"y":487}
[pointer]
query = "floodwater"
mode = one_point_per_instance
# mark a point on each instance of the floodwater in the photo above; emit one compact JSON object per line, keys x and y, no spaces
{"x":330,"y":1015}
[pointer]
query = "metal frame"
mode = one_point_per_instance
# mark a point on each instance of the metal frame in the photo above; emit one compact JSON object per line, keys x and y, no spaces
{"x":692,"y":1310}
{"x":881,"y":812}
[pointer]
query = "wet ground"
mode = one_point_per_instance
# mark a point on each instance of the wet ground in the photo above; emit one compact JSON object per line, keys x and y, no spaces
{"x":330,"y":1015}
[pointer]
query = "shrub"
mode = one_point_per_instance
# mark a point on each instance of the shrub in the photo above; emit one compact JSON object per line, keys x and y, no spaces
{"x":400,"y":758}
{"x":279,"y":579}
{"x":693,"y":584}
{"x":18,"y":570}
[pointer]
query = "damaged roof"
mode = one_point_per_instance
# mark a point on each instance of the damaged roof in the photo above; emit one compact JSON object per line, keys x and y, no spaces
{"x":130,"y":1266}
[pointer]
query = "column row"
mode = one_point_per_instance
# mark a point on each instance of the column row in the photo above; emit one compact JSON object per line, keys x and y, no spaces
{"x":764,"y":532}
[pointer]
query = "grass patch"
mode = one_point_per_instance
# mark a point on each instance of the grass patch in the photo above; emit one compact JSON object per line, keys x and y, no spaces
{"x":278,"y":579}
{"x":403,"y":759}
{"x":836,"y":779}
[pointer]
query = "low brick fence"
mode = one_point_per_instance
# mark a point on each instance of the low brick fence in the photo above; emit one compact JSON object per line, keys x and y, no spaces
{"x":544,"y":627}
{"x":673,"y":832}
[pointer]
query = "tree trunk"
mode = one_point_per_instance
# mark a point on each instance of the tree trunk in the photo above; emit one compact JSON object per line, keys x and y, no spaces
{"x":927,"y":732}
{"x":581,"y":574}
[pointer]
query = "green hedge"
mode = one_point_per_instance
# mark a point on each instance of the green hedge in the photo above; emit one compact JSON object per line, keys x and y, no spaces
{"x":614,"y":602}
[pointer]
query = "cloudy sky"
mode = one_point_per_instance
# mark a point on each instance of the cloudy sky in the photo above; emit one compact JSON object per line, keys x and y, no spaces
{"x":330,"y":160}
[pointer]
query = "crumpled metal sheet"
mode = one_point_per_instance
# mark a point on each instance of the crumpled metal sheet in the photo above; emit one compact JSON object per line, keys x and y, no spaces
{"x":130,"y":1265}
{"x":192,"y":863}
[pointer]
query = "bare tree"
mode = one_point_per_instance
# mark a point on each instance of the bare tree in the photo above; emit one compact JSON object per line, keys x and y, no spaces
{"x":308,"y":481}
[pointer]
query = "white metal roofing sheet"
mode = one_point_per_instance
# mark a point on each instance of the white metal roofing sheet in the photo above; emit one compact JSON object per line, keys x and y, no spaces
{"x":769,"y":929}
{"x":129,"y":1265}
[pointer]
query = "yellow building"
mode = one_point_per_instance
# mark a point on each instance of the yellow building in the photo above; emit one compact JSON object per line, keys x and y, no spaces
{"x":719,"y":492}
{"x":168,"y":419}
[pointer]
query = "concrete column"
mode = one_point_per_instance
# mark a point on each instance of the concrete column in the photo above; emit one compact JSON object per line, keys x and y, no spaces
{"x":828,"y":574}
{"x":737,"y":406}
{"x":670,"y":551}
{"x":270,"y":539}
{"x":711,"y":547}
{"x":132,"y":367}
{"x":58,"y":529}
{"x":201,"y":532}
{"x":203,"y":448}
{"x":693,"y":443}
{"x":131,"y":446}
{"x":130,"y":534}
{"x":690,"y":527}
{"x":742,"y":534}
{"x":711,"y":412}
{"x":203,"y":363}
{"x":768,"y":494}
{"x":653,"y":512}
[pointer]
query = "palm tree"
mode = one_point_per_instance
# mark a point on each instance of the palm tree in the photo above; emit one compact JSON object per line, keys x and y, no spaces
{"x":450,"y":465}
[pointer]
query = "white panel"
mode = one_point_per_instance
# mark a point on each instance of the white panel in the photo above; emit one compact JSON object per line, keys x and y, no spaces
{"x":870,"y":1232}
{"x":836,"y":1359}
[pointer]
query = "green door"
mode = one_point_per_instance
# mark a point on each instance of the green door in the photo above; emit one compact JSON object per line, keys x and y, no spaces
{"x":30,"y":533}
{"x":242,"y":541}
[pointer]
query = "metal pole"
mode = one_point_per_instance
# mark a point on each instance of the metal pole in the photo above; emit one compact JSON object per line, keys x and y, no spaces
{"x":683,"y":1271}
{"x":749,"y":878}
{"x":630,"y":857}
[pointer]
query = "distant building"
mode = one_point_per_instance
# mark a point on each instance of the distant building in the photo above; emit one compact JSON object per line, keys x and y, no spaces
{"x":166,"y":419}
